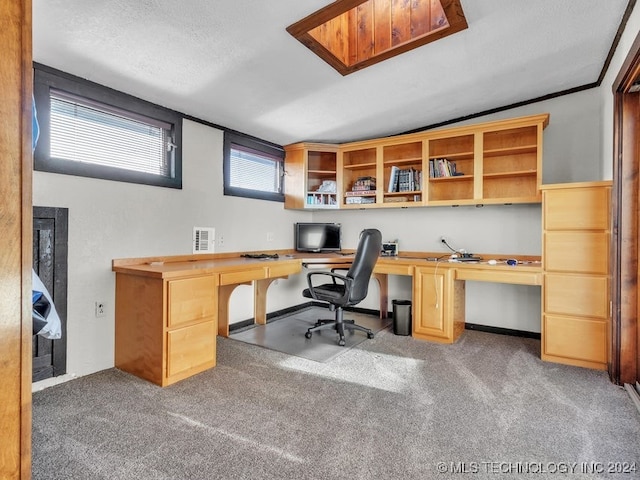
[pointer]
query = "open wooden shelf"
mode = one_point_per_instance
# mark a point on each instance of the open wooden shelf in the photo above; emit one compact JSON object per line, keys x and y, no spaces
{"x":496,"y":162}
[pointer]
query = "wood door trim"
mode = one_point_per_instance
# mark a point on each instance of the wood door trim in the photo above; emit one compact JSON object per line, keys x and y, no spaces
{"x":624,"y":363}
{"x":16,"y":84}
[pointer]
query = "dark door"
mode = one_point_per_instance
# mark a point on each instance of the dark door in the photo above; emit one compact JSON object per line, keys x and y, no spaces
{"x":50,"y":230}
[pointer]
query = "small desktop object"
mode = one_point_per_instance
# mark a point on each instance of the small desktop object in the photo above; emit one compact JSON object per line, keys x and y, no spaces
{"x":460,"y":255}
{"x":317,"y":237}
{"x":390,"y":249}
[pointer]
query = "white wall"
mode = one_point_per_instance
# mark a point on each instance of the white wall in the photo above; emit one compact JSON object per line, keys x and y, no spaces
{"x":110,"y":220}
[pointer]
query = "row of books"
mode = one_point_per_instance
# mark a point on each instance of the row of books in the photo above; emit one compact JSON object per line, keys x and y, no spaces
{"x":364,"y":184}
{"x":442,"y":167}
{"x":363,"y":191}
{"x":404,"y":180}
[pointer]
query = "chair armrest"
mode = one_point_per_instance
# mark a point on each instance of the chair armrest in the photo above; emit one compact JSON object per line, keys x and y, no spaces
{"x":347,"y":281}
{"x":338,"y":269}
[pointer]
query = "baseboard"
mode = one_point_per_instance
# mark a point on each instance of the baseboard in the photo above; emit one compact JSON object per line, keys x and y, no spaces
{"x":368,"y":311}
{"x":501,"y":331}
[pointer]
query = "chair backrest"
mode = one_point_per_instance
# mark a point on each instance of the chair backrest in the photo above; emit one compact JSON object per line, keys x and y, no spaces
{"x":369,"y":247}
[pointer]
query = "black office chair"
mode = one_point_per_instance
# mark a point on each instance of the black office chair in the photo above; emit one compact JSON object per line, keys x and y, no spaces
{"x":346,"y":290}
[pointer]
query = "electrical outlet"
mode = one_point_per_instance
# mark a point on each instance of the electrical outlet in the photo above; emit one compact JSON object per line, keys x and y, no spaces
{"x":270,"y":236}
{"x":100,"y":309}
{"x":220,"y":240}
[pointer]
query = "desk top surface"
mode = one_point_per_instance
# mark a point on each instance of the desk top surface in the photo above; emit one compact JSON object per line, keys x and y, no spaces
{"x":527,"y":271}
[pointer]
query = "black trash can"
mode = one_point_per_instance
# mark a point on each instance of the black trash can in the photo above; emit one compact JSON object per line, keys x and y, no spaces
{"x":401,"y":317}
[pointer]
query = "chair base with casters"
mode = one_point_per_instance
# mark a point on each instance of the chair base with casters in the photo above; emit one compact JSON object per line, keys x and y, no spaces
{"x":339,"y":324}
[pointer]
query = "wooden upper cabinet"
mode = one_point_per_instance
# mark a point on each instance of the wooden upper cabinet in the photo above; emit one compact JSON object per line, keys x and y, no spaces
{"x":490,"y":163}
{"x":311,"y":175}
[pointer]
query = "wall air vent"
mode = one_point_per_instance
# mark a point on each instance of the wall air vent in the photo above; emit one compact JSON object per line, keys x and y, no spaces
{"x":203,"y":239}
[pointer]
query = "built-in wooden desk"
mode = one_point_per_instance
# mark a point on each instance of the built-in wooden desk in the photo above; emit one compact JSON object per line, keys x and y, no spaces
{"x":439,"y":288}
{"x":169,"y":309}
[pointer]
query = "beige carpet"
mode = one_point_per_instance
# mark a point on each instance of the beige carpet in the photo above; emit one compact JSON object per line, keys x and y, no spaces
{"x":392,"y":408}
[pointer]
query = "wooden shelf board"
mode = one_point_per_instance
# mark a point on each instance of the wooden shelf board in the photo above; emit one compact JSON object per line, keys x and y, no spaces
{"x":313,"y":206}
{"x":519,"y":173}
{"x":399,"y":194}
{"x":401,"y":204}
{"x":359,"y":206}
{"x":498,"y":152}
{"x":456,"y":202}
{"x":402,"y":161}
{"x":491,"y":201}
{"x":360,"y":165}
{"x":323,"y":172}
{"x":449,"y":156}
{"x":457,"y":178}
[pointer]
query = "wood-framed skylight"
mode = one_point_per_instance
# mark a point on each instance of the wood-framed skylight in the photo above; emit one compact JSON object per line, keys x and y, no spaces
{"x":353,"y":34}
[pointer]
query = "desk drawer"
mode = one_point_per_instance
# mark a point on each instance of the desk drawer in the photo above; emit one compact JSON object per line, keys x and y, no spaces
{"x":584,"y":208}
{"x":284,"y":270}
{"x":586,"y":296}
{"x":191,"y":299}
{"x":515,"y":276}
{"x":243,"y":276}
{"x":584,"y":252}
{"x":577,"y":339}
{"x":392,"y":269}
{"x":191,"y":347}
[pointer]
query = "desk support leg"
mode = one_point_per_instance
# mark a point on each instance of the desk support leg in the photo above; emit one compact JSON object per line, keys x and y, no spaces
{"x":260,"y":288}
{"x":383,"y":283}
{"x":224,"y":294}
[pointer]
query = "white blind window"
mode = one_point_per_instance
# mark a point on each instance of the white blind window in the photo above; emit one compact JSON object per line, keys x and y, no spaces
{"x":254,"y":170}
{"x":93,"y":133}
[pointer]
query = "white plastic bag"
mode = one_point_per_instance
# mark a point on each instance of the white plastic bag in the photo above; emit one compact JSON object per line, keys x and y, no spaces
{"x":53,"y":327}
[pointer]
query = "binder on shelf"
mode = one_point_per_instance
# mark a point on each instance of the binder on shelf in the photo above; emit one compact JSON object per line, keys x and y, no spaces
{"x":393,"y":179}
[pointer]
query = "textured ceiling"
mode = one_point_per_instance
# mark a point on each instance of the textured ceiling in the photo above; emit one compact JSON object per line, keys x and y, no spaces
{"x":233,"y":64}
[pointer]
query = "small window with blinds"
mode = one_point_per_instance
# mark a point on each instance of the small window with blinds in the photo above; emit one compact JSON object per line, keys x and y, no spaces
{"x":89,"y":130}
{"x":252,"y":168}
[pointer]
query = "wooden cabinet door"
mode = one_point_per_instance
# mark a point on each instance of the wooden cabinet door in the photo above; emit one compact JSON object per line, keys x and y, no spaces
{"x":438,"y":312}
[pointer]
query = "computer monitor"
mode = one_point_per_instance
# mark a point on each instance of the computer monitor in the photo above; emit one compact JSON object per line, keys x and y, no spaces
{"x":317,"y":237}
